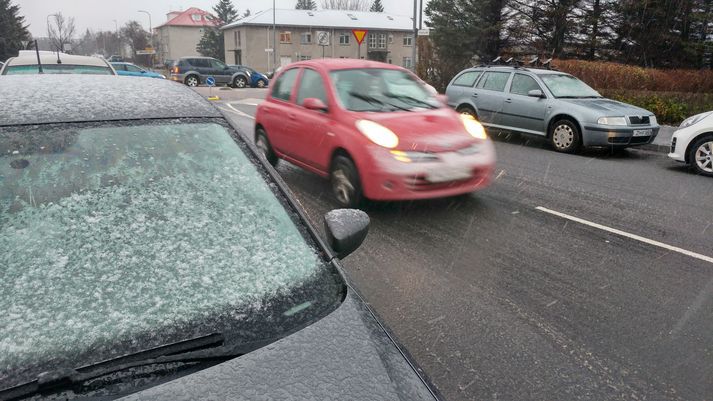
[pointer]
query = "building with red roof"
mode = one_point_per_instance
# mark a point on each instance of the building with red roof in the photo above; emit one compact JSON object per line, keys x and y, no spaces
{"x":180,"y":34}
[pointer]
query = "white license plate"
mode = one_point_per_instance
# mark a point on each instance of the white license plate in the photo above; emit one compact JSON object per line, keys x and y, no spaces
{"x":445,"y":174}
{"x":642,"y":132}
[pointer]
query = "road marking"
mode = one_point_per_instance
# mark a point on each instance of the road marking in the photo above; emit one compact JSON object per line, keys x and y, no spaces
{"x":628,"y":235}
{"x":238,"y":112}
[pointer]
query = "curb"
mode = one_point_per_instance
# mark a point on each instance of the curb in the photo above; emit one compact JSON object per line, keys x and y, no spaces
{"x":652,"y":147}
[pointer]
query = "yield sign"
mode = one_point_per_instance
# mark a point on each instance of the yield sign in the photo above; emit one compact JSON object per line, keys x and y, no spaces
{"x":359,"y":34}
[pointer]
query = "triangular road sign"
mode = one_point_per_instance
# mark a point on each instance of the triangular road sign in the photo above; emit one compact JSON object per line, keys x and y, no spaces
{"x":359,"y":34}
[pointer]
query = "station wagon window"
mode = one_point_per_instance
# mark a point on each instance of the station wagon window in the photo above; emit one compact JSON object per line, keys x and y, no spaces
{"x":494,"y":81}
{"x":311,"y":85}
{"x":283,"y":86}
{"x":467,"y":78}
{"x":522,"y":84}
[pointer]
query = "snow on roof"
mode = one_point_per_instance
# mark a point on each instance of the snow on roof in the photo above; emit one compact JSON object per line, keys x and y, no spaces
{"x":192,"y":17}
{"x":328,"y":19}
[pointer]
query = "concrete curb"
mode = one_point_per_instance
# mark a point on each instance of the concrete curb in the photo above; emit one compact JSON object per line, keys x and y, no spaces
{"x":653,"y":147}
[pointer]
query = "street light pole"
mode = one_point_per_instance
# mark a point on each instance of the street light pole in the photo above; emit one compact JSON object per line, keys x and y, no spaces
{"x":415,"y":35}
{"x":274,"y":39}
{"x":49,"y":35}
{"x":150,"y":33}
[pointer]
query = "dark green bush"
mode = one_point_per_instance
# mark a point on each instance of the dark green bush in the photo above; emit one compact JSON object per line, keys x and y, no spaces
{"x":669,"y":107}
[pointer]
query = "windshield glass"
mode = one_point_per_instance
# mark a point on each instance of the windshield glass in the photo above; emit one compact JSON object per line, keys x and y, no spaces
{"x":57,"y":69}
{"x":562,"y":85}
{"x":115,"y":239}
{"x":376,"y":89}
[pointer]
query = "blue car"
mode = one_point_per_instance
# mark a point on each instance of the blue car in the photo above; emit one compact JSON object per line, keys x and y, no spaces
{"x":132,"y":70}
{"x":257,"y":79}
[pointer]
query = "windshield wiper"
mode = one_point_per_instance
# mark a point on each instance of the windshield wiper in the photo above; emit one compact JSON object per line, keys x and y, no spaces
{"x":412,"y":99}
{"x":200,"y":349}
{"x":373,"y":100}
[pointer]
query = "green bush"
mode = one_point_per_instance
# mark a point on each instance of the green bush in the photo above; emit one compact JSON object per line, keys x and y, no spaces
{"x":669,"y":107}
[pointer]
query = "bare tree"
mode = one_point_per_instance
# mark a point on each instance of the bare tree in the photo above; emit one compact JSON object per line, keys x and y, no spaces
{"x":352,"y":5}
{"x":61,"y":32}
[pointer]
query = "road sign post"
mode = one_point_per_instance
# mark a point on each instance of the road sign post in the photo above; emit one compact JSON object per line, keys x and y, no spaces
{"x":323,"y":40}
{"x":210,"y":81}
{"x":359,"y":35}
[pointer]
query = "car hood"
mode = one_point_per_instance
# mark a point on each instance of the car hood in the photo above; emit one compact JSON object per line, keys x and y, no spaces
{"x":346,"y":355}
{"x":607,"y":107}
{"x":437,"y":130}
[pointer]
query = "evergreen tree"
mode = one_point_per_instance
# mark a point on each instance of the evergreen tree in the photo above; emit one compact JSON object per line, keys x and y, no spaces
{"x":12,"y":30}
{"x":225,"y":11}
{"x":306,"y":5}
{"x":377,"y":7}
{"x":212,"y":44}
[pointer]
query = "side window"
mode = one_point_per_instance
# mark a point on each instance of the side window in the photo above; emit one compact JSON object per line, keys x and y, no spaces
{"x":467,"y":78}
{"x":522,"y":84}
{"x":494,"y":81}
{"x":132,"y":68}
{"x":283,"y":86}
{"x":311,"y":85}
{"x":119,"y":67}
{"x":218,"y":65}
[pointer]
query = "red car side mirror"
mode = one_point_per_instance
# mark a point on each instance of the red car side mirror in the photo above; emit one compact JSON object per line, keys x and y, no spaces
{"x":312,"y":103}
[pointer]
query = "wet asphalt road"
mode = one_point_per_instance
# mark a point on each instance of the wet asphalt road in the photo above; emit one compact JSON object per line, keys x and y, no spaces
{"x":498,"y":300}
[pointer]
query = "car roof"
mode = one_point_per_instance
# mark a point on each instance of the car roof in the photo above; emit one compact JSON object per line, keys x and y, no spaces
{"x":51,"y":58}
{"x":538,"y":71}
{"x":59,"y":98}
{"x":343,"y":64}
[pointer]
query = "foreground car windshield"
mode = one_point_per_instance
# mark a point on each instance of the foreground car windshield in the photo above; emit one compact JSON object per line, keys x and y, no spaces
{"x":117,"y":238}
{"x":567,"y":86}
{"x":57,"y":69}
{"x":376,"y":89}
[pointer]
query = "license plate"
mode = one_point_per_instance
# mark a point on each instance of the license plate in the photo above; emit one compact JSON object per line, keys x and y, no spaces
{"x":446,"y":174}
{"x":642,"y":132}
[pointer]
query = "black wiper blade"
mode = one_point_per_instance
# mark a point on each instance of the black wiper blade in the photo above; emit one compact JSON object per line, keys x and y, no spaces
{"x":372,"y":100}
{"x":412,"y":99}
{"x":191,"y":350}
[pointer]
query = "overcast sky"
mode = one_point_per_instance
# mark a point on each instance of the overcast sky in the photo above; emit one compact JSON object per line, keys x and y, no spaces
{"x":99,"y":14}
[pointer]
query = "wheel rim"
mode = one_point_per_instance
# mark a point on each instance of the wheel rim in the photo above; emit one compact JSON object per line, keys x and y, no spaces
{"x":342,"y":187}
{"x":260,"y":84}
{"x":563,"y":136}
{"x":192,"y":81}
{"x":704,"y":157}
{"x":262,"y":145}
{"x":240,"y":83}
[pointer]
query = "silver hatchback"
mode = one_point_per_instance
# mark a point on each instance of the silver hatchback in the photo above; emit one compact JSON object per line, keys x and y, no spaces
{"x":549,"y":103}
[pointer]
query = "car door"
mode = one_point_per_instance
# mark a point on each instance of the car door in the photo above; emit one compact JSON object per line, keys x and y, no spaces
{"x":133,"y":70}
{"x":276,"y":112}
{"x":120,"y":69}
{"x":202,"y":66}
{"x":461,"y":90}
{"x":220,"y":71}
{"x":309,"y":131}
{"x":489,"y":95}
{"x":523,"y":112}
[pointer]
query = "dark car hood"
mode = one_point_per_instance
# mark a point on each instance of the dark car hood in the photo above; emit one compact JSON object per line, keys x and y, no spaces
{"x":608,"y":106}
{"x":345,"y":356}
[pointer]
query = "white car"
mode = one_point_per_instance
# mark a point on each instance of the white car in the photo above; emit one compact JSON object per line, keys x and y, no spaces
{"x":692,"y":143}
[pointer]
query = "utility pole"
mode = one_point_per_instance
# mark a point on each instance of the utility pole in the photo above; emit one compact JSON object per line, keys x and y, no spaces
{"x":274,"y":40}
{"x":151,"y":56}
{"x":415,"y":35}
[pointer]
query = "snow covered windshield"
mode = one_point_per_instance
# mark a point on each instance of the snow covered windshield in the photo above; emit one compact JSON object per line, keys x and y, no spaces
{"x":119,"y":237}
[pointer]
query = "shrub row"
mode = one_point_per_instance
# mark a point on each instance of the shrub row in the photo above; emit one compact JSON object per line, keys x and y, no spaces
{"x":669,"y":107}
{"x":607,"y":75}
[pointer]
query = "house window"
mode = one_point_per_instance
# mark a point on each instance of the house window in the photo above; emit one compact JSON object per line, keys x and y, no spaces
{"x":391,"y":38}
{"x":196,"y":17}
{"x":344,"y":39}
{"x":408,"y":40}
{"x":407,"y":62}
{"x":390,"y":61}
{"x":236,"y":37}
{"x":382,"y":41}
{"x":372,"y":40}
{"x":285,"y":37}
{"x":306,"y":38}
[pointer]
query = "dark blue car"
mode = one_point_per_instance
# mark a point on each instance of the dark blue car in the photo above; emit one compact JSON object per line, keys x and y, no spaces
{"x":257,"y":79}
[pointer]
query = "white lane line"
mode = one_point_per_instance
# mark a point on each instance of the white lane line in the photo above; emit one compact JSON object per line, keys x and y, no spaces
{"x":628,"y":235}
{"x":236,"y":111}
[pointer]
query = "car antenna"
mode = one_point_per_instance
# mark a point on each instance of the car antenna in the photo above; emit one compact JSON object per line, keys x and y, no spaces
{"x":39,"y":63}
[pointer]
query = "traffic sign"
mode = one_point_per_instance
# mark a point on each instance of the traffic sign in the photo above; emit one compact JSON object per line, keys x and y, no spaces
{"x":210,"y":81}
{"x":144,"y":52}
{"x":268,"y":50}
{"x":359,"y":34}
{"x":323,"y":38}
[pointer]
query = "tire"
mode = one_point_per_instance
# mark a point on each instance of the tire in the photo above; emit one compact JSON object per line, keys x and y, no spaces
{"x":700,"y":155}
{"x":565,"y":136}
{"x":467,"y":110}
{"x":263,"y":145}
{"x":261,"y":83}
{"x":344,"y":179}
{"x":192,"y":81}
{"x":240,"y":82}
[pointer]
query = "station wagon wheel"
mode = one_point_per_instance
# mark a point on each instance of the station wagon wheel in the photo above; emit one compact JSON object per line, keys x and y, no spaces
{"x":263,"y":144}
{"x":192,"y":80}
{"x":701,"y":156}
{"x":565,"y":136}
{"x":261,"y":83}
{"x":240,"y":82}
{"x":345,"y":182}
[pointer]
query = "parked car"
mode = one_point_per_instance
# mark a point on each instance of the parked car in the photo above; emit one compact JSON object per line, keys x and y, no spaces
{"x":56,"y":63}
{"x":115,"y":59}
{"x":549,"y":103}
{"x":374,"y":130}
{"x":257,"y":79}
{"x":133,"y":70}
{"x":193,"y":71}
{"x":692,"y":143}
{"x":154,"y":255}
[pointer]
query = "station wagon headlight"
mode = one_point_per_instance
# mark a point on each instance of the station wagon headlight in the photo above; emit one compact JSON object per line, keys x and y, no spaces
{"x":378,"y":134}
{"x":694,"y":120}
{"x":474,"y":128}
{"x":652,"y":120}
{"x":413,"y":157}
{"x":611,"y":121}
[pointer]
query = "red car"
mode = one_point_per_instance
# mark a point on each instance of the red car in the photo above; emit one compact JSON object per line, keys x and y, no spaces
{"x":374,"y":129}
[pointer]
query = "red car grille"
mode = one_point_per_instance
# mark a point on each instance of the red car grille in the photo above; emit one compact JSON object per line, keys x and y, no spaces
{"x":420,"y":183}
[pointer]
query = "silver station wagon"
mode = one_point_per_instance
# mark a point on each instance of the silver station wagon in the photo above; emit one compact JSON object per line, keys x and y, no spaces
{"x":549,"y":103}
